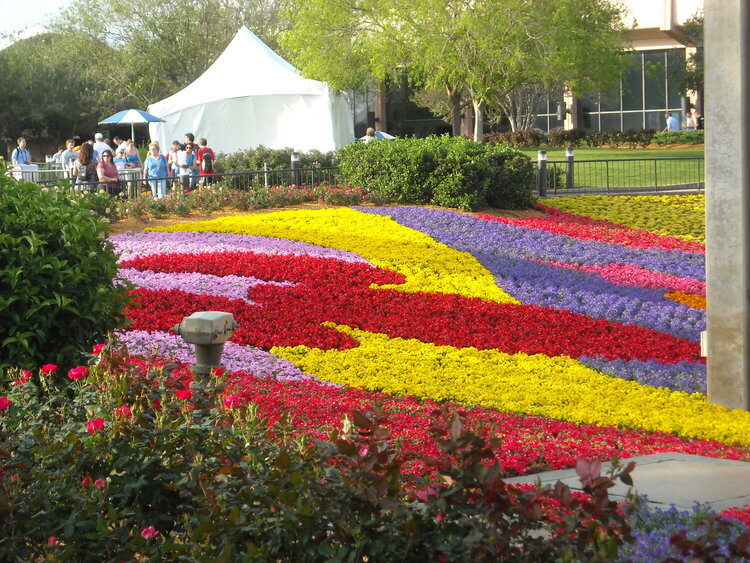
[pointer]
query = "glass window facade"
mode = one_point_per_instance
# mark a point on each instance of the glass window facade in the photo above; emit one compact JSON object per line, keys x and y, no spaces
{"x":648,"y":89}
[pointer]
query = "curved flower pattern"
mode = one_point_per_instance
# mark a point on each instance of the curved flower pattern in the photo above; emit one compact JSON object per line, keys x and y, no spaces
{"x":567,"y":317}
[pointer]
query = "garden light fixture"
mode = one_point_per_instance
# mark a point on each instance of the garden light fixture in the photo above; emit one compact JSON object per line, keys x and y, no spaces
{"x":208,"y":331}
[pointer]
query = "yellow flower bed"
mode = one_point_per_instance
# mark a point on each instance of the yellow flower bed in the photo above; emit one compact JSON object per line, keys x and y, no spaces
{"x":681,"y":216}
{"x":558,"y":387}
{"x":428,"y":265}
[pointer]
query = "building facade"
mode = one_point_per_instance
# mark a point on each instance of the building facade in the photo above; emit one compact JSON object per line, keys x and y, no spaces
{"x":647,"y":90}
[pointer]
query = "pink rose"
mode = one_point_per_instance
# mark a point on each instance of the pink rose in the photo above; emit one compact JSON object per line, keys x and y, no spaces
{"x":425,"y":494}
{"x":184,"y":394}
{"x":98,"y":349}
{"x":78,"y":373}
{"x":99,"y":483}
{"x":24,"y":378}
{"x":94,"y":425}
{"x":52,"y":541}
{"x":49,"y":368}
{"x":123,"y":411}
{"x":232,"y":401}
{"x":149,"y":533}
{"x":86,"y":481}
{"x":5,"y":403}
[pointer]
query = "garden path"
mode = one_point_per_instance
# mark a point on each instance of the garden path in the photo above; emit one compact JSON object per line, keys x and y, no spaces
{"x":672,"y":478}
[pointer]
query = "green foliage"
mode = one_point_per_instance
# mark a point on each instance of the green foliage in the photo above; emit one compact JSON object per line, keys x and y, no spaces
{"x":632,"y":138}
{"x":692,"y":74}
{"x":116,"y":466}
{"x":275,"y":159}
{"x":100,"y":204}
{"x":439,"y":170}
{"x":31,"y":107}
{"x":158,"y":52}
{"x":524,"y":138}
{"x":679,"y":138}
{"x":512,"y":175}
{"x":220,"y":197}
{"x":57,"y":295}
{"x":566,"y":138}
{"x":484,"y":50}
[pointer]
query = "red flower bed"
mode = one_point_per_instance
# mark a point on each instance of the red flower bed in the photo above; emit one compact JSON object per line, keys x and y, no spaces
{"x":587,"y":228}
{"x":529,"y":443}
{"x":339,"y":292}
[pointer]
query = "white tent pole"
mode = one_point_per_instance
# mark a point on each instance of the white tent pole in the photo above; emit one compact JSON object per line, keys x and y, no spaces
{"x":132,"y":133}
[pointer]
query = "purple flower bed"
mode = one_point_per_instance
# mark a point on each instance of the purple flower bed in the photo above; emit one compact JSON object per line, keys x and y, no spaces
{"x":233,"y":287}
{"x":130,"y":245}
{"x":235,"y":358}
{"x":510,"y":253}
{"x":461,"y":231}
{"x":680,"y":376}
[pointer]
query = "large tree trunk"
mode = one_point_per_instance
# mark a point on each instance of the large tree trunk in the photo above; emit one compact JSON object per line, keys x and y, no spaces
{"x":454,"y":102}
{"x":467,"y":122}
{"x":478,"y":121}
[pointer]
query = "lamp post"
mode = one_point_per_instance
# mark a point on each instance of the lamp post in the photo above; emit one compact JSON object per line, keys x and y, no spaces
{"x":542,"y":178}
{"x":569,"y":179}
{"x":295,"y":168}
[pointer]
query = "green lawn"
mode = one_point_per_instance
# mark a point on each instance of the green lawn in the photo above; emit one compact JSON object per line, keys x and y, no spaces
{"x":632,"y":168}
{"x":585,"y":153}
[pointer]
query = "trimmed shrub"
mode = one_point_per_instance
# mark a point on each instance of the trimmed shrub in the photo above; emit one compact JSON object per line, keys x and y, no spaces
{"x":520,"y":139}
{"x":57,"y":295}
{"x":439,"y":170}
{"x":679,"y":138}
{"x":566,"y":138}
{"x":276,"y":159}
{"x":512,"y":178}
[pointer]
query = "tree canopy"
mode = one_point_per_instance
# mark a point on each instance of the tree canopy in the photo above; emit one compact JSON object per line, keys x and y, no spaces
{"x":486,"y":50}
{"x":47,"y":92}
{"x":101,"y":57}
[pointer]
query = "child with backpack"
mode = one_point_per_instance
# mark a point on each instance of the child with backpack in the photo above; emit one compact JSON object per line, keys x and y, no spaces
{"x":205,"y":160}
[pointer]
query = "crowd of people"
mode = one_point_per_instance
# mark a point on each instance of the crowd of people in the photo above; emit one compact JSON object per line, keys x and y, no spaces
{"x":99,"y":163}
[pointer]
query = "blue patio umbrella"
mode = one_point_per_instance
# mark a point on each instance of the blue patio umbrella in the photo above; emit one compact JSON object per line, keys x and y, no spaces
{"x":131,"y":116}
{"x":380,"y":135}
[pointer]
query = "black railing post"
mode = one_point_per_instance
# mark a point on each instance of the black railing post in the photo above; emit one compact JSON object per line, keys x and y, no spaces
{"x":295,"y":168}
{"x":569,"y":181}
{"x":542,"y":178}
{"x":606,"y":173}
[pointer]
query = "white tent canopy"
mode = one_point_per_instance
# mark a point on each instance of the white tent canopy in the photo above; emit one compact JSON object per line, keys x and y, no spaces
{"x":251,"y":96}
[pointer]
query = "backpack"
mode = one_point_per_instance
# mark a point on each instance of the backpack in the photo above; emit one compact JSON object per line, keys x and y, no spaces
{"x":83,"y":173}
{"x":207,"y":161}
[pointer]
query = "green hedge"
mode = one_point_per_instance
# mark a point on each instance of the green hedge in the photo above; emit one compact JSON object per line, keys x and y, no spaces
{"x":631,"y":138}
{"x":440,"y":170}
{"x":679,"y":138}
{"x":276,"y":159}
{"x":57,"y":295}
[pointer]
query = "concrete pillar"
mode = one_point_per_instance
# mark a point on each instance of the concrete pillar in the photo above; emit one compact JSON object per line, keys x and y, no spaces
{"x":727,"y":58}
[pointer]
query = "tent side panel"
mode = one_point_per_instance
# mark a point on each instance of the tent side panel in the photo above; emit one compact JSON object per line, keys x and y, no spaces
{"x":301,"y":122}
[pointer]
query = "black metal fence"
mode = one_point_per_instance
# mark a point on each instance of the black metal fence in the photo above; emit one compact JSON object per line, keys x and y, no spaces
{"x":637,"y":175}
{"x":134,"y":184}
{"x":562,"y":177}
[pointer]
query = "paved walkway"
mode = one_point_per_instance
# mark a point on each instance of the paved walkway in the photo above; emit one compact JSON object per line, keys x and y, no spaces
{"x":672,"y":478}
